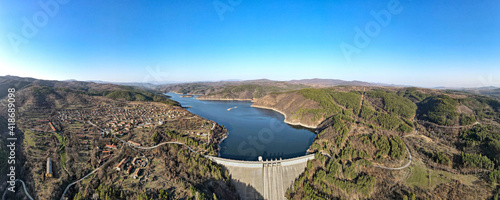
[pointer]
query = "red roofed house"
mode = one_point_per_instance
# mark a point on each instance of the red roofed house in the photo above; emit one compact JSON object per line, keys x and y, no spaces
{"x":120,"y":165}
{"x":134,"y":143}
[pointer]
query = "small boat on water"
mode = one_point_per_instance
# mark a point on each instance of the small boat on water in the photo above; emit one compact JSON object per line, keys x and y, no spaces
{"x":232,"y":108}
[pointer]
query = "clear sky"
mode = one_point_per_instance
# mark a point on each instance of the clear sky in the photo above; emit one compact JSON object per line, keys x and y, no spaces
{"x":411,"y":42}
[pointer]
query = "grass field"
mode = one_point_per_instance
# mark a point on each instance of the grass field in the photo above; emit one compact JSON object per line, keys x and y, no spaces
{"x":420,"y":177}
{"x":29,"y":138}
{"x":62,"y":150}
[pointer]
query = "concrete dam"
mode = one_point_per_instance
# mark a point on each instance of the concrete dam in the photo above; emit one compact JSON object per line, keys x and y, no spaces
{"x":264,"y":179}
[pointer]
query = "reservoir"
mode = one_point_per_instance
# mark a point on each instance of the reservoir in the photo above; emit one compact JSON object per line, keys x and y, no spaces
{"x":253,"y":132}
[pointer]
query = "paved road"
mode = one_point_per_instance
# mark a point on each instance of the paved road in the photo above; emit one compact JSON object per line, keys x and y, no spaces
{"x":326,"y":154}
{"x":24,"y":187}
{"x":124,"y":142}
{"x":95,"y":170}
{"x":398,"y":168}
{"x":409,"y":162}
{"x":458,"y":126}
{"x":179,"y":143}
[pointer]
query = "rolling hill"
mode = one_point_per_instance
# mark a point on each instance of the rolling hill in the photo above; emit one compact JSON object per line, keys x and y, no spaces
{"x":366,"y":135}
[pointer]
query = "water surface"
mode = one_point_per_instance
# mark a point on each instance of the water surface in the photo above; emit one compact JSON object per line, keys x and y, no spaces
{"x":253,"y":131}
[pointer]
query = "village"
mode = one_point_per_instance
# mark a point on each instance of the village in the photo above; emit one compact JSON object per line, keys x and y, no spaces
{"x":122,"y":119}
{"x":90,"y":137}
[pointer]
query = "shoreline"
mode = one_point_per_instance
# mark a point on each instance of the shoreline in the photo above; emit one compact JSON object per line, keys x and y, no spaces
{"x":263,"y":107}
{"x":285,"y":120}
{"x":222,"y":140}
{"x":220,"y":99}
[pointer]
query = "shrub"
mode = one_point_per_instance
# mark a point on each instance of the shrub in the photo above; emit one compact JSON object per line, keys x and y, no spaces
{"x":394,"y":103}
{"x":440,"y":109}
{"x":341,"y":129}
{"x":477,"y":160}
{"x":383,"y":145}
{"x":495,"y":176}
{"x":413,"y":93}
{"x":397,"y":147}
{"x":442,"y":158}
{"x":324,"y":99}
{"x":405,"y":128}
{"x":466,"y":119}
{"x":349,"y":100}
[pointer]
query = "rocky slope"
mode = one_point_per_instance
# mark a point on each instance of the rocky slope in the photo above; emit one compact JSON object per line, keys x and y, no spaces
{"x":289,"y":104}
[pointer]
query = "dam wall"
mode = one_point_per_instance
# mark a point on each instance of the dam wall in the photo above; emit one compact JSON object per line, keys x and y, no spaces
{"x":267,"y":179}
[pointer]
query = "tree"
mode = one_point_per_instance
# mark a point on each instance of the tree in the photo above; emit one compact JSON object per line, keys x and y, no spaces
{"x":155,"y":137}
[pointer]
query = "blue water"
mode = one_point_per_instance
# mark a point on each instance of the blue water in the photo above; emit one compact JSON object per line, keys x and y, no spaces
{"x":253,"y":132}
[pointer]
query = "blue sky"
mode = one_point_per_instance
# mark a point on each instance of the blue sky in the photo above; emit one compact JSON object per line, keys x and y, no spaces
{"x":425,"y":43}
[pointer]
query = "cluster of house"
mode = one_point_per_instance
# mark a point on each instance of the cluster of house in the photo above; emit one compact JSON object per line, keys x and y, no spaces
{"x":201,"y":133}
{"x":122,"y":119}
{"x":197,"y":133}
{"x":106,"y":154}
{"x":41,"y":125}
{"x":136,"y":164}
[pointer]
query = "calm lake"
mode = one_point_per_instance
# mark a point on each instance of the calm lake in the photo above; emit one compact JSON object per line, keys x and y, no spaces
{"x":253,"y":132}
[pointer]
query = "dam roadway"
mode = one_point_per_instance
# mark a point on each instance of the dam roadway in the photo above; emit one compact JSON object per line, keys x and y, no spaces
{"x":263,"y":179}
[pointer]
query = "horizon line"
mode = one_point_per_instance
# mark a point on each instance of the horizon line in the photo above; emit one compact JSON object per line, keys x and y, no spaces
{"x":157,"y":83}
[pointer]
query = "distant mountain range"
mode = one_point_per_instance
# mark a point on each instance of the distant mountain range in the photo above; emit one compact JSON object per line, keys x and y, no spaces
{"x":316,"y":82}
{"x":202,"y":86}
{"x":491,"y":91}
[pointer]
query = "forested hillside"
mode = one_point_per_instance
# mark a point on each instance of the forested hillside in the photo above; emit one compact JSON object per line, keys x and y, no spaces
{"x":244,"y":90}
{"x":364,"y":144}
{"x":57,"y":94}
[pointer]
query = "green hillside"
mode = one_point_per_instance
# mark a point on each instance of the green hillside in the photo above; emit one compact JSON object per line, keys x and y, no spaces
{"x":361,"y":134}
{"x":440,"y":110}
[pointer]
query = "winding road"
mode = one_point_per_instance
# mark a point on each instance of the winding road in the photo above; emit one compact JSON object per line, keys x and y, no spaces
{"x":124,"y":142}
{"x":95,"y":170}
{"x":24,"y":187}
{"x":409,"y":153}
{"x":152,"y":147}
{"x":179,"y":143}
{"x":409,"y":162}
{"x":398,"y":168}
